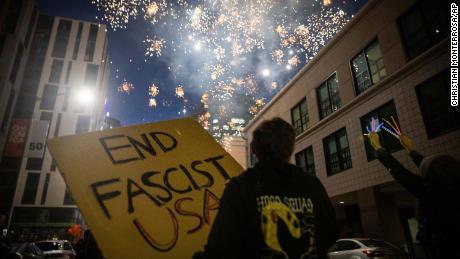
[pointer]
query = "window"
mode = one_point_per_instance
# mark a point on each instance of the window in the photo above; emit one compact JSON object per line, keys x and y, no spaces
{"x":62,"y":38}
{"x":12,"y":14}
{"x":83,"y":124}
{"x":348,"y":245}
{"x":33,"y":70}
{"x":49,"y":97}
{"x":368,"y":67}
{"x":68,"y":200}
{"x":299,"y":116}
{"x":65,"y":104}
{"x":390,"y":143}
{"x":56,"y":69}
{"x":45,"y":189}
{"x":30,"y":189}
{"x":424,"y":25}
{"x":6,"y":115}
{"x":328,"y":97}
{"x":77,"y":41}
{"x":91,"y":45}
{"x":69,"y":69}
{"x":67,"y":246}
{"x":53,"y":165}
{"x":46,"y":116}
{"x":306,"y":160}
{"x":34,"y":163}
{"x":31,"y":27}
{"x":337,"y":152}
{"x":433,"y":97}
{"x":91,"y":75}
{"x":58,"y":125}
{"x":17,"y":60}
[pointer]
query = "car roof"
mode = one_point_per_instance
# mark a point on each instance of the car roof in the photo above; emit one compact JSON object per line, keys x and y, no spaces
{"x":359,"y":239}
{"x":51,"y":241}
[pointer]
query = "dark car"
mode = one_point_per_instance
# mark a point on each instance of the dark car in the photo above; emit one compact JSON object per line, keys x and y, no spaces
{"x":57,"y":249}
{"x":25,"y":251}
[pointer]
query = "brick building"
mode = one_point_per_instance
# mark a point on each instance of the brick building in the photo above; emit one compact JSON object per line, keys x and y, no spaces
{"x":391,"y":59}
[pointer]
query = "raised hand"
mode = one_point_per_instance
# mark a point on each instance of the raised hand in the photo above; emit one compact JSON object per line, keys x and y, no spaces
{"x":372,"y":133}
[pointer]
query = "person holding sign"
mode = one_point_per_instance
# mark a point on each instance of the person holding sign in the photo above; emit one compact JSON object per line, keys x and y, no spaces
{"x":436,"y":188}
{"x":275,"y":209}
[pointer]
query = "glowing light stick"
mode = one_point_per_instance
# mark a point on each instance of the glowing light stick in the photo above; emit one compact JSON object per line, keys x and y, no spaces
{"x":375,"y":126}
{"x":395,"y":130}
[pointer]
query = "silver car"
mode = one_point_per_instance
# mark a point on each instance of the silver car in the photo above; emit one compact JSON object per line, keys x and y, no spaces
{"x":364,"y":248}
{"x":59,"y":249}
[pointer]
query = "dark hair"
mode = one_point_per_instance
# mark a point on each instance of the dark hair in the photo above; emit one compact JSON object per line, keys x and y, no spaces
{"x":273,"y":140}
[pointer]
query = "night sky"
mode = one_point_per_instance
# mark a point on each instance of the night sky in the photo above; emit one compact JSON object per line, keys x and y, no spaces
{"x":184,"y":63}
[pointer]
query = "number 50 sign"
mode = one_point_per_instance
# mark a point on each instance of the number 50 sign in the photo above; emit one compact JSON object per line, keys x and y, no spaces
{"x":38,"y":134}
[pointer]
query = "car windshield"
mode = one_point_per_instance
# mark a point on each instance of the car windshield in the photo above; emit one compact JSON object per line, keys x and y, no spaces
{"x":48,"y":246}
{"x":375,"y":243}
{"x":15,"y":247}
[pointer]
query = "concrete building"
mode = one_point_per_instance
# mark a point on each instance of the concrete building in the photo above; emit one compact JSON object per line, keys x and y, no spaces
{"x":62,"y":92}
{"x":17,"y":20}
{"x":110,"y":123}
{"x":391,"y":59}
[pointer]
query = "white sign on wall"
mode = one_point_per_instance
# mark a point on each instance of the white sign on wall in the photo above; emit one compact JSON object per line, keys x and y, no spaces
{"x":37,"y":140}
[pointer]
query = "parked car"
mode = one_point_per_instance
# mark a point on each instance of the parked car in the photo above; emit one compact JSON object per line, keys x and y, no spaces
{"x":365,"y":248}
{"x":25,"y":251}
{"x":57,"y":249}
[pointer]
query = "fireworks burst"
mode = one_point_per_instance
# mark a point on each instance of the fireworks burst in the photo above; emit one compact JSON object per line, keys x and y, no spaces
{"x":294,"y":61}
{"x":125,"y":87}
{"x":152,"y":102}
{"x":155,"y":47}
{"x":153,"y":90}
{"x":180,"y":91}
{"x":232,"y":49}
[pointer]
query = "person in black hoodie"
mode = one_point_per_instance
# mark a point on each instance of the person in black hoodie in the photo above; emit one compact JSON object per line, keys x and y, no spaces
{"x":275,"y":209}
{"x":437,"y":189}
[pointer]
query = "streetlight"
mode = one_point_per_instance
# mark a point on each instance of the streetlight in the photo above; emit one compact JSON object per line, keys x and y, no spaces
{"x":85,"y":95}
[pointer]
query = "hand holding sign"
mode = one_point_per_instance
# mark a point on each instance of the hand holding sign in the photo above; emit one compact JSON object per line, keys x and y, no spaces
{"x":146,"y":191}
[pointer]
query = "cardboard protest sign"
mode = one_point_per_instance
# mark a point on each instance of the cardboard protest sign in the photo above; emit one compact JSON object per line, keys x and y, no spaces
{"x":146,"y":191}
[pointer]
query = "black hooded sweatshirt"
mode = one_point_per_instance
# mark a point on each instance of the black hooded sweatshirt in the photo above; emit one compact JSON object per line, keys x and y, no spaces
{"x":274,"y":210}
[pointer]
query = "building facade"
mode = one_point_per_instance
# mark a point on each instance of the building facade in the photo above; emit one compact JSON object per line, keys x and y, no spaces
{"x":391,"y":60}
{"x":15,"y":40}
{"x":62,"y":92}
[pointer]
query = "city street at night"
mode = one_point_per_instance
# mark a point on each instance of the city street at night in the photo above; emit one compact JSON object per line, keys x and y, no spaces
{"x":212,"y":129}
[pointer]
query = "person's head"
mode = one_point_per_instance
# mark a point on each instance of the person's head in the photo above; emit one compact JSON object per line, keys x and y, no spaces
{"x":443,"y":168}
{"x":273,"y":140}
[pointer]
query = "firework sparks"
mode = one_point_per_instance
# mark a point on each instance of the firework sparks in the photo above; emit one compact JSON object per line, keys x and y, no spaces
{"x":294,"y":61}
{"x":155,"y":47}
{"x":278,"y":56}
{"x":152,"y":102}
{"x":180,"y":91}
{"x":205,"y":98}
{"x":125,"y":87}
{"x":233,"y":48}
{"x":153,"y":90}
